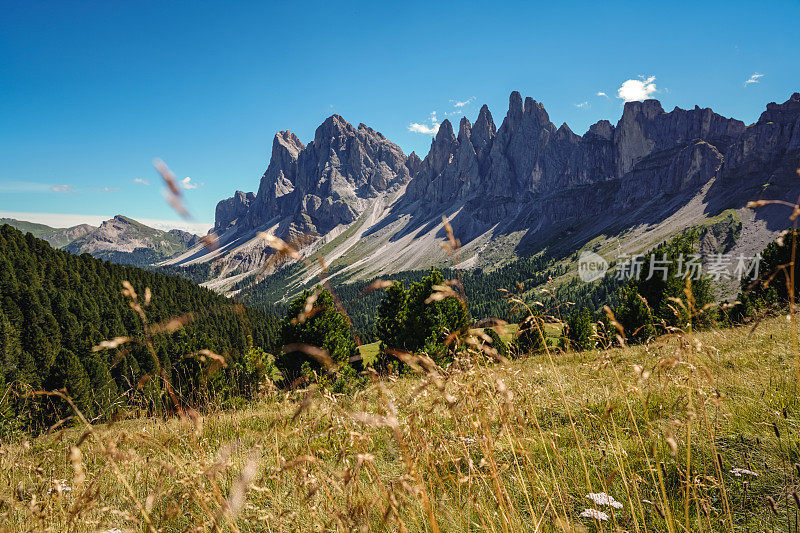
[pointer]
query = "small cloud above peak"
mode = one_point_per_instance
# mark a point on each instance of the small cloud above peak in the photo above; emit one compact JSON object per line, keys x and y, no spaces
{"x":601,"y":93}
{"x":432,"y":129}
{"x":637,"y":90}
{"x":416,"y":127}
{"x":755,"y":78}
{"x":459,"y":104}
{"x":188,"y":184}
{"x":62,"y":188}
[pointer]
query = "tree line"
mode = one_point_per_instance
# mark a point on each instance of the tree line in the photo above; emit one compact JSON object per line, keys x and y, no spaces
{"x":431,"y":316}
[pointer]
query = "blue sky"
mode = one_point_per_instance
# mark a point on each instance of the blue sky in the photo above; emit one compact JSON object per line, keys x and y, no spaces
{"x":91,"y":92}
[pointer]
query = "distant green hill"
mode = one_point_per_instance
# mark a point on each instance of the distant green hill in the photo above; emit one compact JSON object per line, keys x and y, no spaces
{"x":127,"y":241}
{"x":56,"y":237}
{"x":120,"y":240}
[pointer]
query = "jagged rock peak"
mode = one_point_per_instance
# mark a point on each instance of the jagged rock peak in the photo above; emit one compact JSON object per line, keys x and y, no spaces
{"x":330,"y":181}
{"x":287,"y":139}
{"x":445,"y":133}
{"x":602,"y":129}
{"x":482,"y":135}
{"x":564,"y":131}
{"x":772,"y":142}
{"x":230,"y":210}
{"x":515,"y":109}
{"x":532,"y":107}
{"x":413,"y":163}
{"x":777,"y":112}
{"x":334,"y":126}
{"x":464,"y":130}
{"x":648,"y":108}
{"x":484,"y":123}
{"x":285,"y":148}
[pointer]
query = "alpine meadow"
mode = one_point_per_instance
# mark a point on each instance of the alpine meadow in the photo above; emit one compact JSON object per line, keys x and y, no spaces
{"x":476,"y":321}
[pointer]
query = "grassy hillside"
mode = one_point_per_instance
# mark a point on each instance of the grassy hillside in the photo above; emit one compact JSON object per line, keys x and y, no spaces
{"x":516,"y":447}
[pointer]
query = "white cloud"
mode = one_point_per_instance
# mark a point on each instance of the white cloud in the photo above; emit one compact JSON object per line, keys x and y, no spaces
{"x":416,"y":127}
{"x":426,"y":129}
{"x":753,"y":79}
{"x":637,"y":90}
{"x":141,"y":181}
{"x":187,"y":183}
{"x":582,"y":104}
{"x":460,"y":104}
{"x":601,"y":93}
{"x":62,"y":188}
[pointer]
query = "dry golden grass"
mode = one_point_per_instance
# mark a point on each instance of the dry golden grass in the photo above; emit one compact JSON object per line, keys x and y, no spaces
{"x":482,"y":446}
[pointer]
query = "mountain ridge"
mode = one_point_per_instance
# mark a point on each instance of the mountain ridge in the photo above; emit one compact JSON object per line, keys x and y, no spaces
{"x":520,"y":188}
{"x":120,"y":239}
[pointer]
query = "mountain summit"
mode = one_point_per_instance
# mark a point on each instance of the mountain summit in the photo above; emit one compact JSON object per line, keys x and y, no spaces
{"x":518,"y":188}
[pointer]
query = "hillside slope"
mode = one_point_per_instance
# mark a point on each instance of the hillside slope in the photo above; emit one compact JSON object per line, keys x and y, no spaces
{"x":537,"y":435}
{"x":125,"y":241}
{"x":56,"y":237}
{"x":55,"y":307}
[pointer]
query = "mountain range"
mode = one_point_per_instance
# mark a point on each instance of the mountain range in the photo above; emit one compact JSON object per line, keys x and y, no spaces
{"x":522,"y":188}
{"x":119,"y":239}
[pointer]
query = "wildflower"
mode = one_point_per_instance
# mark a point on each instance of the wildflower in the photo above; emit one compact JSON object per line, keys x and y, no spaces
{"x":601,"y":498}
{"x":738,"y":472}
{"x":59,"y":486}
{"x":594,"y":513}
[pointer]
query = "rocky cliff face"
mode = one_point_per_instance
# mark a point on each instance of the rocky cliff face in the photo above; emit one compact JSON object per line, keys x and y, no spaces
{"x":230,"y":210}
{"x":314,"y":188}
{"x":527,"y":176}
{"x":770,"y":145}
{"x":501,"y":173}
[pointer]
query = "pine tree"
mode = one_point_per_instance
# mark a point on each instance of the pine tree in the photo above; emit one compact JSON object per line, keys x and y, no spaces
{"x":647,"y":307}
{"x":392,"y":314}
{"x":104,"y":389}
{"x":68,"y":373}
{"x":324,"y":327}
{"x":580,"y":330}
{"x":429,"y":322}
{"x":497,"y":343}
{"x":531,"y":337}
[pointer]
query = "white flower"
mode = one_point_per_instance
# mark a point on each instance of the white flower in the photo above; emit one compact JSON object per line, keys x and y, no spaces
{"x":594,"y":513}
{"x":739,"y":471}
{"x":59,"y":485}
{"x":601,"y":498}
